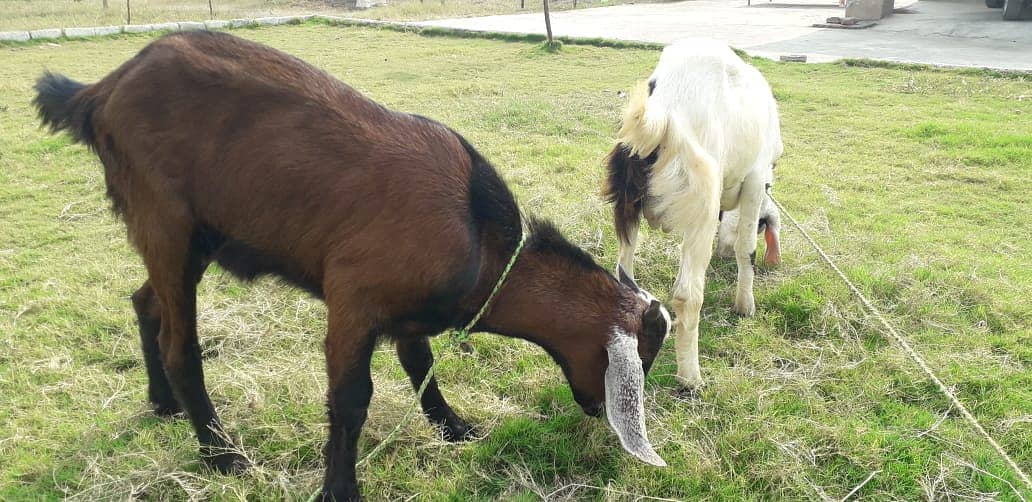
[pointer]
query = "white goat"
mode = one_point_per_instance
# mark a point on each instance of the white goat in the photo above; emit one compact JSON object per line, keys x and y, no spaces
{"x":699,"y":137}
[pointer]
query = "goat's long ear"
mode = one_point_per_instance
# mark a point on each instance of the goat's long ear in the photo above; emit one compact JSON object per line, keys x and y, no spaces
{"x":626,"y":278}
{"x":625,"y":399}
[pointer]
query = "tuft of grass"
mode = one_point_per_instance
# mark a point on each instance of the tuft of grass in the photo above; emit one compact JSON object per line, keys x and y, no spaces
{"x":913,"y":179}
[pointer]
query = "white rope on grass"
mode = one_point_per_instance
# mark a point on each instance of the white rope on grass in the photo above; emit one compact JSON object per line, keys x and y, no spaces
{"x":914,"y":355}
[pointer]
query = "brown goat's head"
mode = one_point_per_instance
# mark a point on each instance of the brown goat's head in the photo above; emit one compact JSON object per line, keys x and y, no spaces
{"x":604,"y":332}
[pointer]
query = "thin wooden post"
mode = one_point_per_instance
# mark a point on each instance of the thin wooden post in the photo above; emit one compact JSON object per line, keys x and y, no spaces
{"x":522,"y":6}
{"x":548,"y":26}
{"x":211,"y":10}
{"x":105,"y":4}
{"x":128,"y":13}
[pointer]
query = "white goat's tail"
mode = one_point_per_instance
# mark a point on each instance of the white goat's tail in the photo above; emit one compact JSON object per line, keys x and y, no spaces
{"x":646,"y":129}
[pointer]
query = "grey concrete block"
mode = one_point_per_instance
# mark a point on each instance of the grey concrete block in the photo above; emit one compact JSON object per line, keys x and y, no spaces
{"x":48,"y":34}
{"x":239,"y":23}
{"x":191,"y":26}
{"x":106,"y":30}
{"x":14,"y":36}
{"x":138,"y":28}
{"x":274,"y":21}
{"x":365,"y":4}
{"x":869,"y":9}
{"x":216,"y":25}
{"x":80,"y":32}
{"x":166,"y":26}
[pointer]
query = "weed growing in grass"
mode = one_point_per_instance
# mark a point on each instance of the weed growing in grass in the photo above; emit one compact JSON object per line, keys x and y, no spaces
{"x":914,"y":181}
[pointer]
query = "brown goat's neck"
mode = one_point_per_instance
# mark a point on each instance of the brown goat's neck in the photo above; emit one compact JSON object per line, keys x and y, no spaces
{"x":553,"y":302}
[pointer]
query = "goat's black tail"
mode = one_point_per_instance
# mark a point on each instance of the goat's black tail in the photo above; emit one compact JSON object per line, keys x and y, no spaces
{"x":627,"y":187}
{"x":62,"y":106}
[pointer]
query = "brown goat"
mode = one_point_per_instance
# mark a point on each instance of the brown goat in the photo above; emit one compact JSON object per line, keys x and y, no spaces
{"x":216,"y":149}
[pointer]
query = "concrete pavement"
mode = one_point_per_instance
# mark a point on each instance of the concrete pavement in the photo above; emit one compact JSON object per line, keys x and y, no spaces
{"x":939,"y":32}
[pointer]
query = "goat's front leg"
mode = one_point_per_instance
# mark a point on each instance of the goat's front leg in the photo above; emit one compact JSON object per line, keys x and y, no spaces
{"x":750,"y":201}
{"x":696,"y":251}
{"x":349,"y":350}
{"x":417,"y":358}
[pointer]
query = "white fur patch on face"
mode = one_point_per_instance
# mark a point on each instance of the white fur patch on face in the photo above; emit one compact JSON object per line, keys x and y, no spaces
{"x":649,"y":298}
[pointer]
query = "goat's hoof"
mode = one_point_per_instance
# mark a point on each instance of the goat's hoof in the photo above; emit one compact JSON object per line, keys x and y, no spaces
{"x":745,"y":308}
{"x":457,"y":430}
{"x":350,"y":495}
{"x":227,"y":463}
{"x":690,"y":393}
{"x":691,"y":386}
{"x":166,"y":410}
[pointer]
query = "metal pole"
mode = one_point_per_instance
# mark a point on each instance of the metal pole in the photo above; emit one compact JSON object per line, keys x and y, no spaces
{"x":548,"y":25}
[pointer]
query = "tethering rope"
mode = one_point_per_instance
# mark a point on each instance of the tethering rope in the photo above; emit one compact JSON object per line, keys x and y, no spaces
{"x":914,"y":355}
{"x":461,"y":336}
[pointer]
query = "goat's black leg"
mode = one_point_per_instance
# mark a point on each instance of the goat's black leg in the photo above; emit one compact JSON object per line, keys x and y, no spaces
{"x":416,"y":357}
{"x":175,"y":265}
{"x":148,"y":313}
{"x":348,"y":355}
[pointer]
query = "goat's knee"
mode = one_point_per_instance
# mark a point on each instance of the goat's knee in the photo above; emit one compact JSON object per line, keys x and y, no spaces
{"x":145,"y":303}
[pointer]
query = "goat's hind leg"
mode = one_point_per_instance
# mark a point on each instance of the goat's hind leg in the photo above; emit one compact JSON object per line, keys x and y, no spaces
{"x":148,"y":314}
{"x":750,"y":202}
{"x":417,"y":358}
{"x":175,"y":263}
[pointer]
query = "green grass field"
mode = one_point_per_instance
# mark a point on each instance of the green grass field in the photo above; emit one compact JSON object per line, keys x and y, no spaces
{"x":915,"y":180}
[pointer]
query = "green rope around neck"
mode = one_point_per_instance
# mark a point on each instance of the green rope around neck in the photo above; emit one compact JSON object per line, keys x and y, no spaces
{"x":462,"y":335}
